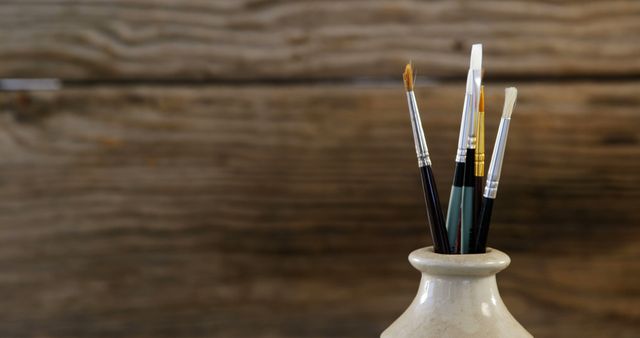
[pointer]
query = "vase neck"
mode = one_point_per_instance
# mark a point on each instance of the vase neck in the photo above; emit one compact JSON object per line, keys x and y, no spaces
{"x":460,"y":281}
{"x":449,"y":289}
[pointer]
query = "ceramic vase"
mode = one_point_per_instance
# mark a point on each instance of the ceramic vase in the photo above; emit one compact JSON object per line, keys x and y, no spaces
{"x":458,"y":297}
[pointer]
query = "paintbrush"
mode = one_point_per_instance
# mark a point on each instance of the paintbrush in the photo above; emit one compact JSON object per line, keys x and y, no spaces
{"x":455,"y":198}
{"x":493,"y":174}
{"x":479,"y":168}
{"x":465,"y":156}
{"x":432,"y":201}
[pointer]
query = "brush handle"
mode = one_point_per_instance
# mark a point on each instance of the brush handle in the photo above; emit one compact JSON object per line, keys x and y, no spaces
{"x":480,"y":242}
{"x":453,"y":210}
{"x":434,"y":211}
{"x":477,"y":205}
{"x":467,"y":219}
{"x":468,"y":194}
{"x":453,"y":217}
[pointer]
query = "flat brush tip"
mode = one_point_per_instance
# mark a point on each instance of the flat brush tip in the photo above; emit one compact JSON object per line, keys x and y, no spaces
{"x":408,"y":77}
{"x":510,"y":95}
{"x":476,"y":57}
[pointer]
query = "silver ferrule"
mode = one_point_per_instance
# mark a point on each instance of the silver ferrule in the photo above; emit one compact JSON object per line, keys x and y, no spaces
{"x":422,"y":152}
{"x":493,"y":174}
{"x":467,"y":110}
{"x":476,"y":77}
{"x":461,"y":155}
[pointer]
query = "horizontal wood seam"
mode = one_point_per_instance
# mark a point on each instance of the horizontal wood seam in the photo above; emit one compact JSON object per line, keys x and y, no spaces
{"x":347,"y":81}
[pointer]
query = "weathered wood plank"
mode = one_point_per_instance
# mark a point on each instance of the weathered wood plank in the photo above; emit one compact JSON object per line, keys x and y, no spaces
{"x":289,"y":211}
{"x":249,"y":39}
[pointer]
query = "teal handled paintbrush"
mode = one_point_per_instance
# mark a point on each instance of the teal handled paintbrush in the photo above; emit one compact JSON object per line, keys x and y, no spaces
{"x":493,"y":174}
{"x":455,"y":198}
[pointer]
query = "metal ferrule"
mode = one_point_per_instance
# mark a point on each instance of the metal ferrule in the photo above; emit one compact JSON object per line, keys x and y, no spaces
{"x":471,"y":138}
{"x":476,"y":83}
{"x":461,"y":155}
{"x":467,"y":111}
{"x":493,"y":175}
{"x":479,"y":170}
{"x":422,"y":151}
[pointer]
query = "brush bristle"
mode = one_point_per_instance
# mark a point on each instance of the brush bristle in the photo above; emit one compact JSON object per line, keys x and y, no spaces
{"x":476,"y":57}
{"x":408,"y":77}
{"x":510,"y":95}
{"x":481,"y":104}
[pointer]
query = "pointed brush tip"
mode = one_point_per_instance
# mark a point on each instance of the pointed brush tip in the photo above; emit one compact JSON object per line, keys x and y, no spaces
{"x":481,"y":103}
{"x":408,"y":77}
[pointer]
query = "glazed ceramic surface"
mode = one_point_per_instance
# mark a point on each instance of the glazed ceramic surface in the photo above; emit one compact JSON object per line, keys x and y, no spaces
{"x":458,"y":297}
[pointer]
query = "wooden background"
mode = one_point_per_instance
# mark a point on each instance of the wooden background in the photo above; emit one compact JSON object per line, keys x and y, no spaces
{"x":246,"y":168}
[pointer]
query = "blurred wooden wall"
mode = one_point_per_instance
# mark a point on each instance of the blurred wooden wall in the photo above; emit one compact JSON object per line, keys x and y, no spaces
{"x":246,"y":168}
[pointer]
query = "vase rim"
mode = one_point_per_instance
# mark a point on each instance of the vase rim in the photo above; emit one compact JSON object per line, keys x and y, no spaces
{"x":486,"y":264}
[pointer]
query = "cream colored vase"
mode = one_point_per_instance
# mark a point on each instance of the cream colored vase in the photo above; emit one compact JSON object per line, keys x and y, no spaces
{"x":458,"y":298}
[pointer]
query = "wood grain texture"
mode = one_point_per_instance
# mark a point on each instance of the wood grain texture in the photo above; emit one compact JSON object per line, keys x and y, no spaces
{"x":302,"y":40}
{"x":289,"y":211}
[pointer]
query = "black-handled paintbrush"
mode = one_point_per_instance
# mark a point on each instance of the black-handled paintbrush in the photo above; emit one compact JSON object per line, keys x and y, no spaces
{"x":493,"y":174}
{"x":479,"y":170}
{"x":468,"y":217}
{"x":432,"y":201}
